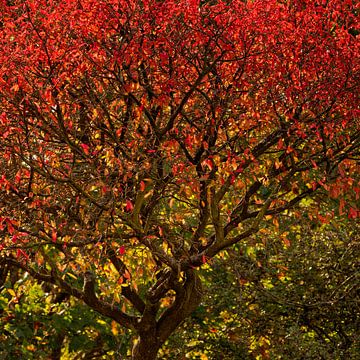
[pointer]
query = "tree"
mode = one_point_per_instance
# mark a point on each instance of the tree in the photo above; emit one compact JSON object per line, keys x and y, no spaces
{"x":140,"y":139}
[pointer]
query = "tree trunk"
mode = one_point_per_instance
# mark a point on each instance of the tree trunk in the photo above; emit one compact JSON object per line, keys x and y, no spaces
{"x":153,"y":334}
{"x":56,"y":351}
{"x":145,"y":348}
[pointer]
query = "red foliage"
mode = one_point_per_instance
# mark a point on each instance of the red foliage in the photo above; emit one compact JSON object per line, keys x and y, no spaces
{"x":120,"y":118}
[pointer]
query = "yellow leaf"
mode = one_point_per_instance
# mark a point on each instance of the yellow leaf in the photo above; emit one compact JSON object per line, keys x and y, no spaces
{"x":72,"y":276}
{"x":253,"y":307}
{"x":11,"y":292}
{"x":117,"y":296}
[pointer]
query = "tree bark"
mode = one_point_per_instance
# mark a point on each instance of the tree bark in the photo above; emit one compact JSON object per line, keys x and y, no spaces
{"x":146,"y":347}
{"x":187,"y":299}
{"x":153,"y":334}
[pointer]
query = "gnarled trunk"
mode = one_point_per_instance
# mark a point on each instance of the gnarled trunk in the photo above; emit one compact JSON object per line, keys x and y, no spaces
{"x":146,"y":347}
{"x":154,"y":334}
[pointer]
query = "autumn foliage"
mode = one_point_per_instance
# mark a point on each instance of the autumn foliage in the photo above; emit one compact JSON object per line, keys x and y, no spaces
{"x":139,"y":139}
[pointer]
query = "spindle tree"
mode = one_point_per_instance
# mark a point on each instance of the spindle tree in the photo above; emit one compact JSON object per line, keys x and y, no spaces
{"x":140,"y":139}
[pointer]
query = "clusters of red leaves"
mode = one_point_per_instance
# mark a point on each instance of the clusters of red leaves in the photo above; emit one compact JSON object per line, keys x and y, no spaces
{"x":171,"y":127}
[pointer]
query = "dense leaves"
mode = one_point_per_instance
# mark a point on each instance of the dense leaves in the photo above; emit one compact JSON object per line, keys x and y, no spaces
{"x":40,"y":323}
{"x":272,"y":300}
{"x":142,"y":138}
{"x":265,"y":298}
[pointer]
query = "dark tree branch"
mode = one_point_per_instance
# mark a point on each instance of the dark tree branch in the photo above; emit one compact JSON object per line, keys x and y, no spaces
{"x":87,"y":295}
{"x":188,"y":297}
{"x":127,"y":291}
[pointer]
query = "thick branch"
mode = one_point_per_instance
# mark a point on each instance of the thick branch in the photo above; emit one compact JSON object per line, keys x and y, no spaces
{"x":87,"y":295}
{"x":187,"y":299}
{"x":127,"y":291}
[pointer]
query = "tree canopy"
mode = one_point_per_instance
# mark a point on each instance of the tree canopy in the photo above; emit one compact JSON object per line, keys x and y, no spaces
{"x":140,"y":139}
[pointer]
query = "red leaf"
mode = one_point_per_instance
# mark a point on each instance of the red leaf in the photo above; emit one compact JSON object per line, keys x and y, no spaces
{"x":280,"y":144}
{"x":209,"y":164}
{"x":353,"y":213}
{"x":10,"y":227}
{"x":129,"y":206}
{"x":20,"y":253}
{"x":314,"y":164}
{"x":203,"y":259}
{"x":122,"y":250}
{"x":85,"y":148}
{"x":18,"y":177}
